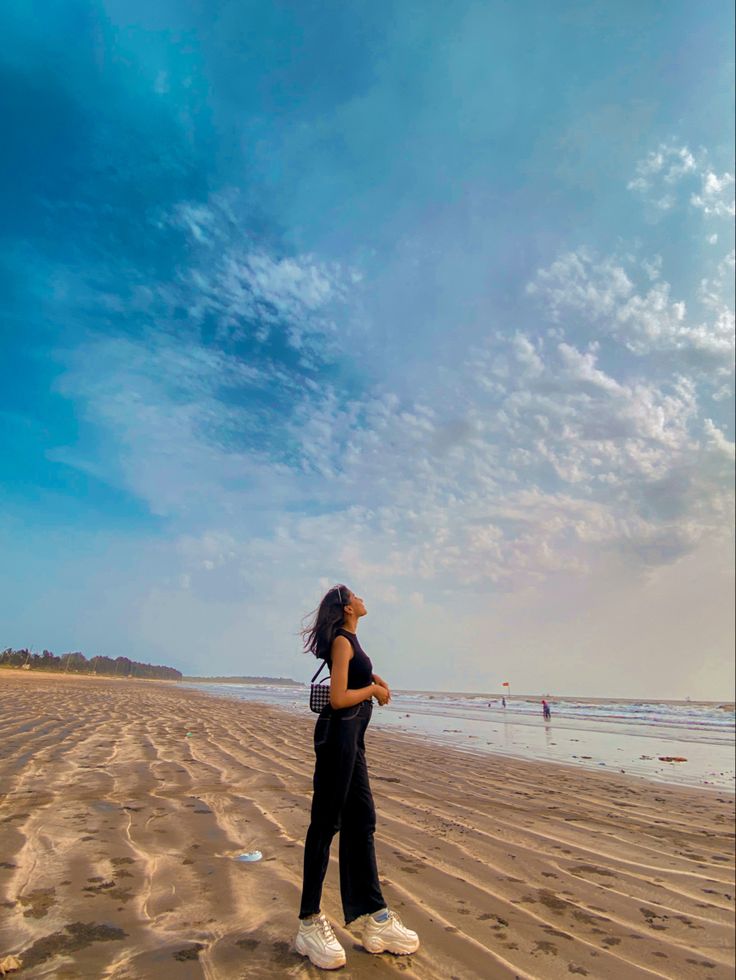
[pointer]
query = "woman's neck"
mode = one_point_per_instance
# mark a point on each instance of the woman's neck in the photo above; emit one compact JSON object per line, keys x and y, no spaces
{"x":350,"y":623}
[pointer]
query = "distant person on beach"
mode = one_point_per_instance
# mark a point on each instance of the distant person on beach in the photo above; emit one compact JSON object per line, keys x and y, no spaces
{"x":545,"y":710}
{"x":342,"y":799}
{"x":503,"y":702}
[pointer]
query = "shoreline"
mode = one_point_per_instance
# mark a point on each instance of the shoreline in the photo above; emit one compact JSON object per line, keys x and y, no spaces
{"x":126,"y":806}
{"x":481,"y":755}
{"x":612,"y":743}
{"x":725,"y":703}
{"x":719,"y":704}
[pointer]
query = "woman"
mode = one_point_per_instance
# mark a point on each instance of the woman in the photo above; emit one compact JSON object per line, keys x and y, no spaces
{"x":342,"y":797}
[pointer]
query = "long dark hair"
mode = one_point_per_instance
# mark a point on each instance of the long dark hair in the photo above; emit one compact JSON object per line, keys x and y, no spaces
{"x":325,"y":621}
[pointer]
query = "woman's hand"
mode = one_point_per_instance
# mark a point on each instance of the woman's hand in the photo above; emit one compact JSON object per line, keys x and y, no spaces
{"x":382,"y":683}
{"x":381,"y":694}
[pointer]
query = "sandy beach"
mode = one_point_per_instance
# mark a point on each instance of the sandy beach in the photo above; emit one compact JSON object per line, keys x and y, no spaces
{"x":124,"y":805}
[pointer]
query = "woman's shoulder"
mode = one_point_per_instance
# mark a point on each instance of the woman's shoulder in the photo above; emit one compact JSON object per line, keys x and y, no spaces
{"x":342,"y":641}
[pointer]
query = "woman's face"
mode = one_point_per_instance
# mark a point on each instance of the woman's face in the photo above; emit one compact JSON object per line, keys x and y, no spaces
{"x":357,"y":605}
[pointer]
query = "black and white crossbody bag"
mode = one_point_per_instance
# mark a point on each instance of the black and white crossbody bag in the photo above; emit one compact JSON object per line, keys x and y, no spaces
{"x":319,"y":694}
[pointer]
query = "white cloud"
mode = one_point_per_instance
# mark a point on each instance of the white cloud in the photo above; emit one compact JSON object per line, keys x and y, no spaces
{"x":182,"y":422}
{"x":717,"y":442}
{"x":663,"y":174}
{"x":668,"y":164}
{"x":562,"y":465}
{"x":602,"y":297}
{"x":716,"y":195}
{"x":250,"y":292}
{"x":574,"y":283}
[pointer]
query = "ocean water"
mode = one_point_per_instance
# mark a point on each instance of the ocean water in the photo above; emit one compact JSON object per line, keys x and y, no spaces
{"x":621,"y":736}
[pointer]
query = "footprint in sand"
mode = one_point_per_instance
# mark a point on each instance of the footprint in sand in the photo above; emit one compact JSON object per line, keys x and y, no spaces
{"x":188,"y":952}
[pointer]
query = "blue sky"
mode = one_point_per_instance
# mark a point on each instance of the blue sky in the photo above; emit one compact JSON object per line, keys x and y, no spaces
{"x":434,"y":299}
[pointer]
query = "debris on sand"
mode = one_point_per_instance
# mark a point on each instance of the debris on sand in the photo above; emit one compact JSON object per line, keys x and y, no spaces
{"x":249,"y":856}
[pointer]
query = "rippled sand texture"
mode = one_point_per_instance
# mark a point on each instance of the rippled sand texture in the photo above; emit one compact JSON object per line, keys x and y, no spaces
{"x":118,"y":834}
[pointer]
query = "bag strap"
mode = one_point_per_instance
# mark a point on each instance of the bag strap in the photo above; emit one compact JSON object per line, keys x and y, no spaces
{"x":319,"y":671}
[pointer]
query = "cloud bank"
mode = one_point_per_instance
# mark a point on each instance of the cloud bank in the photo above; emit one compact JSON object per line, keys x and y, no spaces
{"x":496,"y":399}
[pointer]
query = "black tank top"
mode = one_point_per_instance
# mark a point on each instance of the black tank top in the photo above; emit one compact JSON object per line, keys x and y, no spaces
{"x":360,"y":668}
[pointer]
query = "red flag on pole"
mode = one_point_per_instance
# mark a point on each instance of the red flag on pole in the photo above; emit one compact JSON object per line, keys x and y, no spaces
{"x":505,"y":684}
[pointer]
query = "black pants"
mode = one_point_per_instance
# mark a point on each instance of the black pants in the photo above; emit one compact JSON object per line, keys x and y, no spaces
{"x":342,"y":801}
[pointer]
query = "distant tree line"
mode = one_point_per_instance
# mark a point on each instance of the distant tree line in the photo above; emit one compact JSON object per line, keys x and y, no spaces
{"x":77,"y":663}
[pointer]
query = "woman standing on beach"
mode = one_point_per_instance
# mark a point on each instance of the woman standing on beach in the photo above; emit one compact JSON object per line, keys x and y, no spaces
{"x":342,"y":799}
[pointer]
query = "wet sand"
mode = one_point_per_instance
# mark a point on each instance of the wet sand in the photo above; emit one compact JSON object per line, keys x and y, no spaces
{"x":124,"y":804}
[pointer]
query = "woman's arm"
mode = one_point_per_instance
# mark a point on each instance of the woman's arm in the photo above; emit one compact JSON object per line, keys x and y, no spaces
{"x":340,"y":696}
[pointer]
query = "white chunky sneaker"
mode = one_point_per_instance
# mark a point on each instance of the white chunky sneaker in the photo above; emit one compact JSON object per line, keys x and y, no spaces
{"x":388,"y":936}
{"x":317,"y":940}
